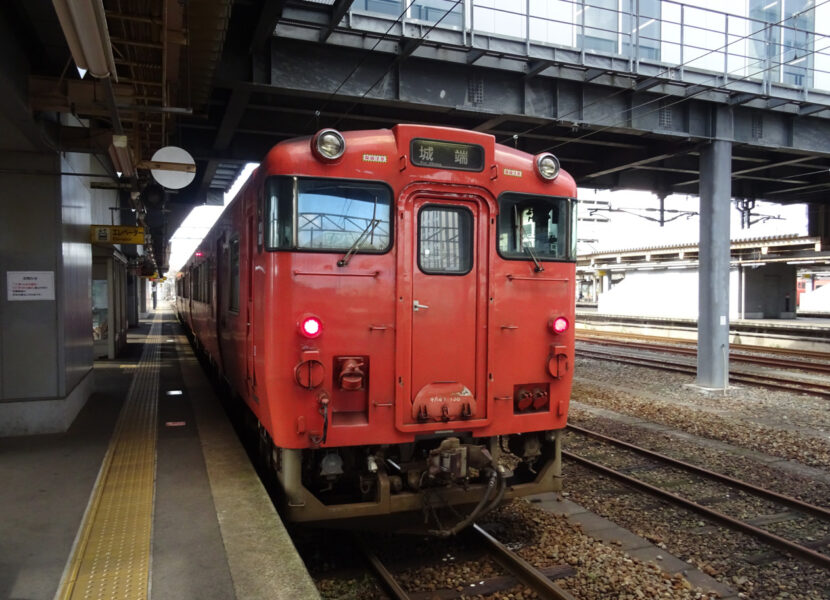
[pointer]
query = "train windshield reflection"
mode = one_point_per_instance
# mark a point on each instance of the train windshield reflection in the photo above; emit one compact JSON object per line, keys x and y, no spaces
{"x":540,"y":226}
{"x":331,"y":214}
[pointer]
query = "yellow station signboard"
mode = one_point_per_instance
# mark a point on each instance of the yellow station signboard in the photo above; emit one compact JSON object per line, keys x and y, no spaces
{"x":116,"y":234}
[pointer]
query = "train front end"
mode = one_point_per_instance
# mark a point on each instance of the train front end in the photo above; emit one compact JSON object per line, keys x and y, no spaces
{"x":413,"y":326}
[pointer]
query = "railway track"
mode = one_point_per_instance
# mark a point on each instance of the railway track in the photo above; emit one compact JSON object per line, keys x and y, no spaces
{"x":769,"y":381}
{"x":538,"y":580}
{"x":797,"y":515}
{"x":621,"y":338}
{"x":809,"y":364}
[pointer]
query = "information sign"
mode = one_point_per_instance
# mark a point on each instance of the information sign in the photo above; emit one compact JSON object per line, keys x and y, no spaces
{"x":447,"y":155}
{"x":116,"y":234}
{"x":30,"y":285}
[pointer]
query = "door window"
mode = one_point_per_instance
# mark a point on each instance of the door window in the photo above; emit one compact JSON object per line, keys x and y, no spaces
{"x":445,"y":240}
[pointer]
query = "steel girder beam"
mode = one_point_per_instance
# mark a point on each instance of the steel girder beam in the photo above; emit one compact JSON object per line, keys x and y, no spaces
{"x":811,"y":109}
{"x":473,"y":55}
{"x":438,"y":85}
{"x":316,"y":70}
{"x":592,"y":74}
{"x":776,"y":102}
{"x":741,"y":98}
{"x":633,"y":164}
{"x":338,"y":11}
{"x":303,"y":22}
{"x":230,"y":121}
{"x":765,"y":167}
{"x":537,"y":66}
{"x":269,"y":14}
{"x":647,"y":84}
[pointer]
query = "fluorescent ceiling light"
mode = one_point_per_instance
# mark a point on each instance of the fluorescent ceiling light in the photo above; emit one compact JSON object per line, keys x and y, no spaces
{"x":84,"y":24}
{"x":122,"y":159}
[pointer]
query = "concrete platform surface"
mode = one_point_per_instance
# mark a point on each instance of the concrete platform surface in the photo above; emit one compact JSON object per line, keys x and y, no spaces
{"x":215,"y":532}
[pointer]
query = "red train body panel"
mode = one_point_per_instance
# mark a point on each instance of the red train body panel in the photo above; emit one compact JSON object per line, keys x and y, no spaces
{"x":434,"y":262}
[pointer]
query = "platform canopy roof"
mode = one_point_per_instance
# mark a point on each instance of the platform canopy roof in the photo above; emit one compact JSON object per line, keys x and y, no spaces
{"x":226,"y":80}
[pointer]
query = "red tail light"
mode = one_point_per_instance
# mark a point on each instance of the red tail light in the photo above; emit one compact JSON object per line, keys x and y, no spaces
{"x":311,"y":327}
{"x":559,"y":325}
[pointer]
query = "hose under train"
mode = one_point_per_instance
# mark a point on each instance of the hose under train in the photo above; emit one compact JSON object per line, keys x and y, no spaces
{"x":495,"y":483}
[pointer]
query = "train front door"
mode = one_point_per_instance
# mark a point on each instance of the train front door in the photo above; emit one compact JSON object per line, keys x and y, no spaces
{"x":449,"y":305}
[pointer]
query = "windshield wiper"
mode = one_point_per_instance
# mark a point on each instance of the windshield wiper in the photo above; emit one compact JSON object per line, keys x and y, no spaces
{"x":539,"y":267}
{"x":363,"y":234}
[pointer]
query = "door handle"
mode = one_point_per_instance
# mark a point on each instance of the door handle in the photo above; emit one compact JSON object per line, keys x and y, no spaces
{"x":416,"y":305}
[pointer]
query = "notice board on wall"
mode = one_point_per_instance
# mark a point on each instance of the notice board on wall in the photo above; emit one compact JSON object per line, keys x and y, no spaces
{"x":30,"y":285}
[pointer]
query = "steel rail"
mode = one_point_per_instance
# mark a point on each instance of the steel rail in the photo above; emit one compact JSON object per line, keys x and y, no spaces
{"x":793,"y":548}
{"x":521,"y":569}
{"x":745,"y":347}
{"x":779,"y":383}
{"x":386,"y":577}
{"x":759,"y":360}
{"x":525,"y":573}
{"x":813,"y":509}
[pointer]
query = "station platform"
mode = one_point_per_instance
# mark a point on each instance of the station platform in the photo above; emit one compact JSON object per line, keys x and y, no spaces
{"x":149,"y":495}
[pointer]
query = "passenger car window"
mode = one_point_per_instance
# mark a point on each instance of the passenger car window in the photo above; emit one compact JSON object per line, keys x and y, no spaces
{"x":233,"y":303}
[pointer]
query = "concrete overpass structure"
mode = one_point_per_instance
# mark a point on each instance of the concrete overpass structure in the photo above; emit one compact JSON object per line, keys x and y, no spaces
{"x":630,"y":94}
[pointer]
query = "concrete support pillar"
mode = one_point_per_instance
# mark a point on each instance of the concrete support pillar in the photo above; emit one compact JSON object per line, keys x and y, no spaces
{"x":713,"y":292}
{"x":142,"y":295}
{"x":818,"y":221}
{"x":132,"y":300}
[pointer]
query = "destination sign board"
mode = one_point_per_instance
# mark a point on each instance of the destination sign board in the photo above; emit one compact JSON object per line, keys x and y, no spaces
{"x":116,"y":234}
{"x":447,"y":155}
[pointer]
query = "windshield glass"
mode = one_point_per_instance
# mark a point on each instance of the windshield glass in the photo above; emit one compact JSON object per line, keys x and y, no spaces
{"x":540,"y":226}
{"x":331,"y":214}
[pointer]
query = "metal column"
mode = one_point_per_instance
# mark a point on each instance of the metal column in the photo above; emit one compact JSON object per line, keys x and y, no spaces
{"x":713,"y":291}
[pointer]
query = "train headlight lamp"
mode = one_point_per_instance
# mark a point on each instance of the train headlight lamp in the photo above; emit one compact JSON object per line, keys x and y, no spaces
{"x":328,"y":144}
{"x":311,"y":327}
{"x":559,"y":325}
{"x":547,"y":166}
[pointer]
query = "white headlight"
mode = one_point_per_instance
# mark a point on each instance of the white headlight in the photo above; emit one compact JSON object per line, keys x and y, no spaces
{"x":547,"y":165}
{"x":330,"y":144}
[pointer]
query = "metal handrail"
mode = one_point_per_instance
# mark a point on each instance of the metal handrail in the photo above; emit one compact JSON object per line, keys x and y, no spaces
{"x":728,"y":53}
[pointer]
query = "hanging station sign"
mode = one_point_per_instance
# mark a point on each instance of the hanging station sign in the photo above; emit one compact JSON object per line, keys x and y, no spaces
{"x":116,"y":234}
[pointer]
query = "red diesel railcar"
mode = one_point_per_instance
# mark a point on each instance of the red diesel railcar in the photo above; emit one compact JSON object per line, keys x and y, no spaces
{"x":395,"y":308}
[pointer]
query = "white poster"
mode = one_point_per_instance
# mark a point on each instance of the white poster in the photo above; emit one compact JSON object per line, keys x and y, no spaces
{"x":30,"y":285}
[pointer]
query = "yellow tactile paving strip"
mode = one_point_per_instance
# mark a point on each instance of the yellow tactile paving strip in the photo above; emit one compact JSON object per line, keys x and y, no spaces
{"x":111,"y":557}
